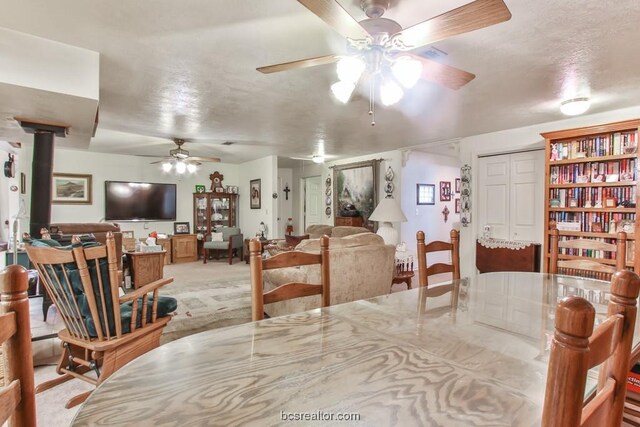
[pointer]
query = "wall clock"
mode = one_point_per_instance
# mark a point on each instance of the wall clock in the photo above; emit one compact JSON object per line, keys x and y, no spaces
{"x":10,"y":167}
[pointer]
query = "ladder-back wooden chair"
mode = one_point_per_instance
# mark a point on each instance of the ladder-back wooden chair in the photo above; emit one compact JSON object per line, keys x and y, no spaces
{"x":574,"y":265}
{"x":289,"y":290}
{"x":103,"y":331}
{"x":17,"y":396}
{"x":437,"y":246}
{"x":576,"y":348}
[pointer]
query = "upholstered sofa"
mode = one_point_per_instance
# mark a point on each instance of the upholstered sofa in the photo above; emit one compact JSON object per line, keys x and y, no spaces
{"x":98,"y":229}
{"x":360,"y":266}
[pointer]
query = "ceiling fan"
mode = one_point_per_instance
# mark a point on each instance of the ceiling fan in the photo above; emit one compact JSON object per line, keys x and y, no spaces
{"x":382,"y":45}
{"x":181,"y":160}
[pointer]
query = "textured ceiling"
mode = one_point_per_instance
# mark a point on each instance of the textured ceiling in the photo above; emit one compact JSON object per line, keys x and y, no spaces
{"x":187,"y":69}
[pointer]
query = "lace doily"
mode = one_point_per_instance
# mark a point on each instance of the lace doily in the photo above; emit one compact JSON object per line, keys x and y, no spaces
{"x":506,"y":244}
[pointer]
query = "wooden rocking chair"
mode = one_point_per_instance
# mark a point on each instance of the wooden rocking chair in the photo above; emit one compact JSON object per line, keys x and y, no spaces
{"x":103,"y":331}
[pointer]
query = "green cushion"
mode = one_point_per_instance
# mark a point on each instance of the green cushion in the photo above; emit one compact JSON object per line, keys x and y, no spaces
{"x":166,"y":306}
{"x":43,"y":243}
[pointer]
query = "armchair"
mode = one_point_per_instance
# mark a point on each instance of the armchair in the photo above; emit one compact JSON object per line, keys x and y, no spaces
{"x":229,"y":239}
{"x":103,"y":331}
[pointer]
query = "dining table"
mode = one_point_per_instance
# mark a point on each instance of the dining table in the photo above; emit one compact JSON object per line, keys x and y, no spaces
{"x":471,"y":352}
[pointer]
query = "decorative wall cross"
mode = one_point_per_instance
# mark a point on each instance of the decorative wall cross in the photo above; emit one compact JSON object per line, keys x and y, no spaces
{"x":445,"y":212}
{"x":286,"y":191}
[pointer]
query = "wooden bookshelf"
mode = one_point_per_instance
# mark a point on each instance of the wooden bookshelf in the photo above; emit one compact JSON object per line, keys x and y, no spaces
{"x":587,"y":170}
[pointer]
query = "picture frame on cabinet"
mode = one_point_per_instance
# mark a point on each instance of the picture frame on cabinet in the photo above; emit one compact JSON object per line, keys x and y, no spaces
{"x":181,"y":228}
{"x":200,"y":188}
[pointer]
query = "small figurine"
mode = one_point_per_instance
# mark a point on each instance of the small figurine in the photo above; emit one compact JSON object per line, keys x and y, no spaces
{"x":554,"y":152}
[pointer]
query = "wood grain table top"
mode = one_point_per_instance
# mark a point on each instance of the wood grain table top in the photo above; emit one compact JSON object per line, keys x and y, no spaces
{"x":474,"y":356}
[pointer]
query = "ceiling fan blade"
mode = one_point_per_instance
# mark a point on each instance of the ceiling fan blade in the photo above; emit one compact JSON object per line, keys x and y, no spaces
{"x":204,"y":159}
{"x":333,"y":14}
{"x":446,"y":75}
{"x":302,"y":63}
{"x":470,"y":17}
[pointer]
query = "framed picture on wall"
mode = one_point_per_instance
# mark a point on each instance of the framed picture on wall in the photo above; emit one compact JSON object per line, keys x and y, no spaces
{"x":445,"y":191}
{"x":458,"y":206}
{"x":71,"y":188}
{"x":256,"y":194}
{"x":425,"y":194}
{"x":457,"y":185}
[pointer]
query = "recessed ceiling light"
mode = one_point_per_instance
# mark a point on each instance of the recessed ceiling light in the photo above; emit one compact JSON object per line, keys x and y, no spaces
{"x":575,"y":106}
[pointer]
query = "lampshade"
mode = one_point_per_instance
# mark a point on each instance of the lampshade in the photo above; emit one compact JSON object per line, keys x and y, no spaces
{"x":388,"y":210}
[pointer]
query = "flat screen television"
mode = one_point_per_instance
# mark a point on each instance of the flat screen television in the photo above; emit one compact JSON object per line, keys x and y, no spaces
{"x":139,"y":201}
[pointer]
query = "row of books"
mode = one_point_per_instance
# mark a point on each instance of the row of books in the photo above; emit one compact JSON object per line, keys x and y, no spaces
{"x":597,"y":222}
{"x":602,"y":145}
{"x":611,"y":171}
{"x":598,"y":254}
{"x":590,"y":197}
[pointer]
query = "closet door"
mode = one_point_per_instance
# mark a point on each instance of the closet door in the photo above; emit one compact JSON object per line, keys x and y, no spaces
{"x":493,"y":195}
{"x":510,"y":195}
{"x":526,"y":195}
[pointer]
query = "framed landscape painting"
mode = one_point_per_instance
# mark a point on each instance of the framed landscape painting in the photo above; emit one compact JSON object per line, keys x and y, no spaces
{"x":356,"y":189}
{"x":71,"y":188}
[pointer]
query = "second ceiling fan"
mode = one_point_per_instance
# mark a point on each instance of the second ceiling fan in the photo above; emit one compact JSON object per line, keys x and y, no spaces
{"x":383,"y":48}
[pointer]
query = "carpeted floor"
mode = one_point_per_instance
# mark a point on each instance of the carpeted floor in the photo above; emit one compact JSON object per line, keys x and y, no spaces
{"x":209,"y":296}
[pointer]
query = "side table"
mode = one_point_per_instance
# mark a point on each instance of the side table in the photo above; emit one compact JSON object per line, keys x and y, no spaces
{"x":403,"y":277}
{"x":263,"y":243}
{"x":145,"y":267}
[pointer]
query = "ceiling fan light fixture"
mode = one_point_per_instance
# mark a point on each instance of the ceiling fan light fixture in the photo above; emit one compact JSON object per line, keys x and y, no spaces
{"x":317,"y":158}
{"x":350,"y":69}
{"x":343,"y":90}
{"x":181,"y":167}
{"x":167,"y":166}
{"x":390,"y":93}
{"x":575,"y":106}
{"x":407,"y":71}
{"x":192,"y":168}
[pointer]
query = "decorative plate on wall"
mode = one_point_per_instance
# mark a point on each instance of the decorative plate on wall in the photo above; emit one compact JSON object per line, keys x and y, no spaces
{"x":327,"y":201}
{"x":328,"y":211}
{"x":328,"y":191}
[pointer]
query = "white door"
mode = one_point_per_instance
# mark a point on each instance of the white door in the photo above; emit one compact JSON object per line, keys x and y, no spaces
{"x":493,"y":195}
{"x":312,"y":201}
{"x":510,"y":195}
{"x":526,"y":195}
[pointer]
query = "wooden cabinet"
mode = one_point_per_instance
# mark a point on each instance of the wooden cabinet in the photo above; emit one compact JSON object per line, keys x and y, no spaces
{"x":212,"y":210}
{"x":145,"y":267}
{"x":354,"y":221}
{"x":184,"y":248}
{"x":591,"y":187}
{"x":166,"y":245}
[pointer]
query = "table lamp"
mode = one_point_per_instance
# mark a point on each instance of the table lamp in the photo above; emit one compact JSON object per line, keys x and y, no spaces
{"x":387,"y":212}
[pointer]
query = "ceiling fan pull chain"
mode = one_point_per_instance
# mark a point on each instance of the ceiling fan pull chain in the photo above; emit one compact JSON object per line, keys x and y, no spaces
{"x":372,"y":102}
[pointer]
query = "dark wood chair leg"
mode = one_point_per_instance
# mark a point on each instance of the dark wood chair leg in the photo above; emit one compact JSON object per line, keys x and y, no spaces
{"x":204,"y":255}
{"x":230,"y":253}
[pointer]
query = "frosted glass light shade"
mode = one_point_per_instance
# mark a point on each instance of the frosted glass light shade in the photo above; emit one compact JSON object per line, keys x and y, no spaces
{"x":317,"y":158}
{"x":407,"y":71}
{"x":192,"y":168}
{"x":167,"y":166}
{"x":181,"y":167}
{"x":390,"y":93}
{"x":575,"y":106}
{"x":350,"y":69}
{"x":343,"y":90}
